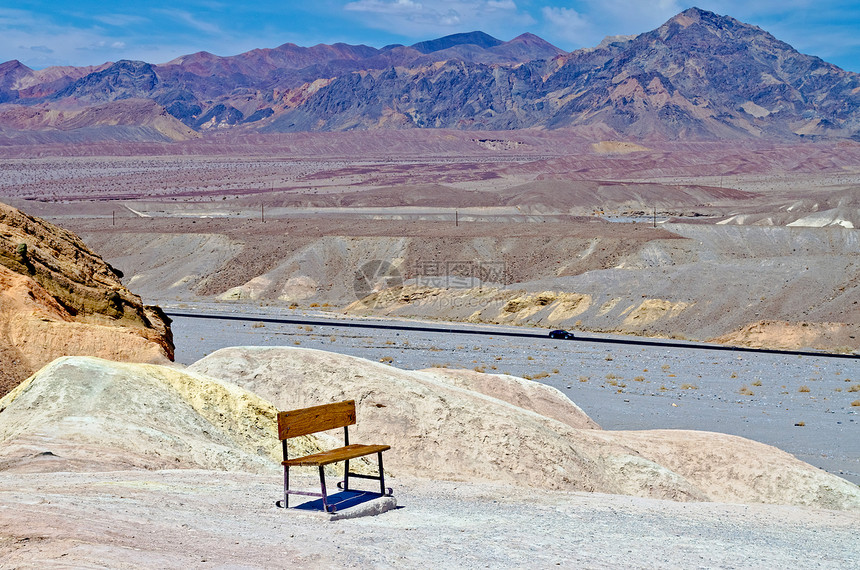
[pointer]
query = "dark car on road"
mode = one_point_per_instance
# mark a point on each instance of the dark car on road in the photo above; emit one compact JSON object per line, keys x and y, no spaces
{"x":560,"y":334}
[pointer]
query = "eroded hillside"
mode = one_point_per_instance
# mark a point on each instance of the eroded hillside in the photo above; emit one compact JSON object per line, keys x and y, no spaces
{"x":59,"y":298}
{"x":693,"y":281}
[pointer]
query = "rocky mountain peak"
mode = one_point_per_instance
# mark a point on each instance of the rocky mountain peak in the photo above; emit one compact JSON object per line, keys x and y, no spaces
{"x":11,"y":73}
{"x":479,"y":39}
{"x":124,"y":79}
{"x":13,"y":66}
{"x":690,"y":16}
{"x":699,"y":75}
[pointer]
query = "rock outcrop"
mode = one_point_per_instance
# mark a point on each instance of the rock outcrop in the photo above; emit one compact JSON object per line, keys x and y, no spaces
{"x":438,"y":426}
{"x":86,"y":414}
{"x":89,"y":414}
{"x":58,"y":298}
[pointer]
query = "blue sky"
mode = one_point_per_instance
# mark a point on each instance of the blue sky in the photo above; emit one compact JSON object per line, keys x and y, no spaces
{"x":90,"y":32}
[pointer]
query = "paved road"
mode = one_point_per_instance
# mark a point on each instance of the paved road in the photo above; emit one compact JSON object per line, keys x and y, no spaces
{"x":621,"y":383}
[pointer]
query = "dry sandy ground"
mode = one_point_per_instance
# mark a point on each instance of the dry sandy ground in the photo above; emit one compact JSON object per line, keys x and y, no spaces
{"x":125,"y":466}
{"x":189,"y":518}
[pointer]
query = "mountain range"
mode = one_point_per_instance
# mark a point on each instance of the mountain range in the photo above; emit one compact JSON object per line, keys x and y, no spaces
{"x":698,"y":76}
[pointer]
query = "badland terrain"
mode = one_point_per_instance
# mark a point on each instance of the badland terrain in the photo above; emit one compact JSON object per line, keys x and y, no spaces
{"x":730,"y":158}
{"x":700,"y":182}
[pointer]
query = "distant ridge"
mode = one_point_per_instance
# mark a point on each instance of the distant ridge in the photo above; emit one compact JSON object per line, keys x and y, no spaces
{"x":479,"y":39}
{"x":698,"y":76}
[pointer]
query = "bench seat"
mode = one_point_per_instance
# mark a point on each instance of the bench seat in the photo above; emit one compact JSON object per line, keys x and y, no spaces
{"x":334,"y":455}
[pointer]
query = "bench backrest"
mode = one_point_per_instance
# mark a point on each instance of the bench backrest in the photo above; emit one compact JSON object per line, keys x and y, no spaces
{"x":318,"y":418}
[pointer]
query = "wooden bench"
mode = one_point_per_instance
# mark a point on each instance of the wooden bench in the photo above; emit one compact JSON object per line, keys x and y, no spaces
{"x":306,"y":421}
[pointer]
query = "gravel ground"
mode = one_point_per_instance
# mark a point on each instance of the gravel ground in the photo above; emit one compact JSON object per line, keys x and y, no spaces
{"x":801,"y":404}
{"x":182,"y":519}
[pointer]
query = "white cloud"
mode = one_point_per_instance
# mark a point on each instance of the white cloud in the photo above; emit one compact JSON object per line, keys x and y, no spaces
{"x":567,"y":23}
{"x":413,"y":18}
{"x":193,"y":22}
{"x":383,"y":7}
{"x":595,"y":19}
{"x":639,"y":15}
{"x":120,"y":20}
{"x":36,"y":49}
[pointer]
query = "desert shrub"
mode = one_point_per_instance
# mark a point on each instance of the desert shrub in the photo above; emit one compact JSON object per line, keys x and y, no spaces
{"x":315,"y":304}
{"x":854,"y":388}
{"x":583,"y":378}
{"x":639,"y":379}
{"x":665,"y":367}
{"x":536,"y":376}
{"x":757,"y":383}
{"x":545,"y":299}
{"x":803,"y":389}
{"x":689,"y":387}
{"x":746,"y":391}
{"x":515,"y":305}
{"x":856,"y":403}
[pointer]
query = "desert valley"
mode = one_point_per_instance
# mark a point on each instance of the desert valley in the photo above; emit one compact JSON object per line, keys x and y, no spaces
{"x":644,"y":189}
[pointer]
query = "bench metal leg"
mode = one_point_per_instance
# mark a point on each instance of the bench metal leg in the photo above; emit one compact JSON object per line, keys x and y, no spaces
{"x":383,"y":490}
{"x":285,"y":504}
{"x":381,"y":474}
{"x":324,"y":495}
{"x":346,"y":476}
